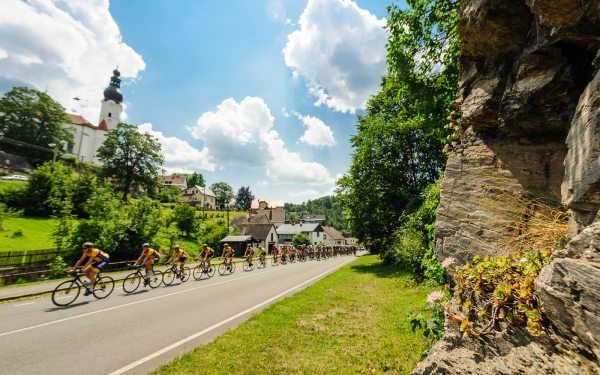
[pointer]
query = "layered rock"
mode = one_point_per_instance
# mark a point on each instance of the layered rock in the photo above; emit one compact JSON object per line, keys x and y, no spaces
{"x":530,"y":102}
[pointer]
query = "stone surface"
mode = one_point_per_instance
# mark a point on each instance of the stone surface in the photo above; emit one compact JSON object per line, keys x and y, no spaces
{"x":530,"y":103}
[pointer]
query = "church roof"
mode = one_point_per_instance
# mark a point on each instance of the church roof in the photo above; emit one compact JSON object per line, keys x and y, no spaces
{"x":79,"y":120}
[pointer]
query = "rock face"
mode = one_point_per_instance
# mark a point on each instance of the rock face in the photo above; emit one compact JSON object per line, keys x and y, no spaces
{"x":530,"y":102}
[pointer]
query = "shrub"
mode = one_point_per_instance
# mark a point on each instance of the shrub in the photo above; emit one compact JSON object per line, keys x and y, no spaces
{"x":58,"y":268}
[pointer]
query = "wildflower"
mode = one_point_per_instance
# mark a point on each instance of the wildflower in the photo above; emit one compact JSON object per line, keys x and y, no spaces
{"x":435,"y":297}
{"x":448,"y":262}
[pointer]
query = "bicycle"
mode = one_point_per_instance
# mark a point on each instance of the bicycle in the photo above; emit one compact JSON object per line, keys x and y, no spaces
{"x":67,"y":292}
{"x":203,"y":269}
{"x":275,"y":260}
{"x":262,"y":261}
{"x":226,"y":266}
{"x":134,"y":279}
{"x":175,"y":272}
{"x":247,"y":265}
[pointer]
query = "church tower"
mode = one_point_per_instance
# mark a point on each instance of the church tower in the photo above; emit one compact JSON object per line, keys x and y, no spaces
{"x":110,"y":112}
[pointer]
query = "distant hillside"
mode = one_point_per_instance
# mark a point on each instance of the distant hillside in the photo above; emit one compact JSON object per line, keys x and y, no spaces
{"x":328,"y":206}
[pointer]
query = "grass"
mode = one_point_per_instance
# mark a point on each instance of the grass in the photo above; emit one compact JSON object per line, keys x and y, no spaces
{"x":35,"y":233}
{"x":353,"y":321}
{"x":7,"y":185}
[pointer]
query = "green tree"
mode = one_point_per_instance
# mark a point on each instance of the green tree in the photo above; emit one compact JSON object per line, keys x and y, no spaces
{"x":30,"y":120}
{"x":398,"y":148}
{"x":185,"y":218}
{"x":49,"y":190}
{"x":300,"y":239}
{"x":169,"y":194}
{"x":82,"y":188}
{"x":244,"y":198}
{"x":130,"y":159}
{"x":195,"y":179}
{"x":7,"y":212}
{"x":223,"y":192}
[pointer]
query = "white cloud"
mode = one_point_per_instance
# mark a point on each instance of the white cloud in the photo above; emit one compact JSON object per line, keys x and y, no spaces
{"x":340,"y":51}
{"x":179,"y":155}
{"x":317,"y":133}
{"x":66,"y":48}
{"x":242,"y":134}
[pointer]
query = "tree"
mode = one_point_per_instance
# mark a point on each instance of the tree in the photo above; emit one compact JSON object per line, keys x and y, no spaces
{"x":130,"y":159}
{"x":169,"y":194}
{"x":30,"y":120}
{"x":223,"y":192}
{"x":184,"y":217}
{"x":195,"y":179}
{"x":300,"y":239}
{"x":398,"y":148}
{"x":49,"y":190}
{"x":244,"y":198}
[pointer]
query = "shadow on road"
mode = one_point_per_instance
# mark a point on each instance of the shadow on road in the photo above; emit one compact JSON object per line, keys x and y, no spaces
{"x":73,"y":305}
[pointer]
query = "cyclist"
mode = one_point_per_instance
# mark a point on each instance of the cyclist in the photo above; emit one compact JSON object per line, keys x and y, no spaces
{"x":148,"y":258}
{"x":262,"y":254}
{"x":249,"y":253}
{"x":179,"y":255}
{"x":227,"y":254}
{"x":207,"y":253}
{"x":94,"y":259}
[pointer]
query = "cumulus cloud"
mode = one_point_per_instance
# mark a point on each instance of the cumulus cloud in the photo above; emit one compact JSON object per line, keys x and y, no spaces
{"x":67,"y":48}
{"x":242,"y":133}
{"x":340,"y":51}
{"x":179,"y":155}
{"x":317,"y":133}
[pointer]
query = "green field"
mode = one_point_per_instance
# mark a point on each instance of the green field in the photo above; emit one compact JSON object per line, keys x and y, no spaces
{"x":354,"y":321}
{"x":34,"y":234}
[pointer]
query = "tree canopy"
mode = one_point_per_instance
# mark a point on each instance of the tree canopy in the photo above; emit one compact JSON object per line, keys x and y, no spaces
{"x":243,"y":199}
{"x":30,"y":120}
{"x":195,"y":179}
{"x":131,"y":160}
{"x":223,"y":192}
{"x":398,"y":148}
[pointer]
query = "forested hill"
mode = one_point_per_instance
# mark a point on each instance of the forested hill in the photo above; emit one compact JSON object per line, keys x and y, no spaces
{"x":328,"y":206}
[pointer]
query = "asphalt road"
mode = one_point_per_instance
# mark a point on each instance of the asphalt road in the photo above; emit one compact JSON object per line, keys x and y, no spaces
{"x":136,"y":333}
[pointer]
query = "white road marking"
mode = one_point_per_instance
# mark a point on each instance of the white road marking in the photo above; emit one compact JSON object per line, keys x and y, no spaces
{"x":147,"y":358}
{"x":24,"y":304}
{"x":129,"y":304}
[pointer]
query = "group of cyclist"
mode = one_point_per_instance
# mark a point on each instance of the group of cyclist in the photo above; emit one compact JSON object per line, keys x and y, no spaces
{"x":93,"y":259}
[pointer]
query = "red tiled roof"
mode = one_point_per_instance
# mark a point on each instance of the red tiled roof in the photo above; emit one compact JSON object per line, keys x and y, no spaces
{"x":82,"y":121}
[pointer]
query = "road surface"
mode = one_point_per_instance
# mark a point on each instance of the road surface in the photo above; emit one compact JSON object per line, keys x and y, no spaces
{"x":136,"y":333}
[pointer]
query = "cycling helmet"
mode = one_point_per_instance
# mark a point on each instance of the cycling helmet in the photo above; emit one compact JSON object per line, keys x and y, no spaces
{"x":146,"y":244}
{"x":87,"y":244}
{"x":176,"y":247}
{"x":205,"y":245}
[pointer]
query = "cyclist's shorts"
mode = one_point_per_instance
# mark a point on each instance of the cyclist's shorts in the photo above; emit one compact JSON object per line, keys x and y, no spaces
{"x":209,"y":256}
{"x":183,"y":259}
{"x":96,"y":267}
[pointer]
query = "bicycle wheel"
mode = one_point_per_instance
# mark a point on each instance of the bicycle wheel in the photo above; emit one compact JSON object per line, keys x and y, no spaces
{"x":131,"y":282}
{"x":210,"y":271}
{"x":246,"y":266}
{"x":274,"y":262}
{"x":185,"y":275}
{"x":168,"y":276}
{"x":198,"y":272}
{"x":261,"y":263}
{"x":104,"y":286}
{"x":222,"y":269}
{"x":232,"y":267}
{"x":155,"y":279}
{"x":66,"y":293}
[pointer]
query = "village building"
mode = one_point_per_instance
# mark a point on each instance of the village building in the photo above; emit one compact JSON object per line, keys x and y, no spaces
{"x":200,"y":196}
{"x":332,"y":237}
{"x":314,"y":219}
{"x":265,"y":234}
{"x":174,"y":180}
{"x":314,"y":231}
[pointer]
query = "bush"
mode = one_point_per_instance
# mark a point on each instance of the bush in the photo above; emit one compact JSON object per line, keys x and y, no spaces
{"x":58,"y":268}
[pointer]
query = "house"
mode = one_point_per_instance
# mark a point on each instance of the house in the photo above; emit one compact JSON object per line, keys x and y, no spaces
{"x":286,"y":232}
{"x":332,"y":237}
{"x":200,"y":196}
{"x":174,"y":180}
{"x":314,"y":219}
{"x":265,"y":234}
{"x":273,"y":210}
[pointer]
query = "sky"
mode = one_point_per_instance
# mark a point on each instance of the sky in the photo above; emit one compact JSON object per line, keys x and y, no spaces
{"x":258,"y":93}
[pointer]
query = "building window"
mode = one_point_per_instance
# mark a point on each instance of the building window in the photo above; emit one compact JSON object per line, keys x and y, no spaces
{"x":109,"y":114}
{"x":271,"y":237}
{"x":318,"y":234}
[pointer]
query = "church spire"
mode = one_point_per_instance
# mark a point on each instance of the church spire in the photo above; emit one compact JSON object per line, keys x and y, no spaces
{"x":113,"y":91}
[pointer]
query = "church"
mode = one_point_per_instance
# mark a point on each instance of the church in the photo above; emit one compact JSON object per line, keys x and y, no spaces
{"x":87,"y":137}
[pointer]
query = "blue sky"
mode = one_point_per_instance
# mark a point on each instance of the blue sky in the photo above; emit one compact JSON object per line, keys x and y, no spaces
{"x":259,"y":93}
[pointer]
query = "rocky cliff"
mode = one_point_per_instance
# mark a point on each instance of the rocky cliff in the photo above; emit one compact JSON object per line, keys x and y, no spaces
{"x":530,"y":126}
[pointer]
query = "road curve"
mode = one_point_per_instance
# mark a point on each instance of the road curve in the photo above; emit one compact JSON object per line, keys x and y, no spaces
{"x":135,"y":333}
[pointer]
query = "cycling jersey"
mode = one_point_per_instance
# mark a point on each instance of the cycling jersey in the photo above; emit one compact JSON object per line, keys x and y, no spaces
{"x":179,"y":253}
{"x":207,"y":252}
{"x":96,"y":254}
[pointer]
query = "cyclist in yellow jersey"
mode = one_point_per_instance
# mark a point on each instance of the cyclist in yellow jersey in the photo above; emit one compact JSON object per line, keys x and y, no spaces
{"x":249,"y":254}
{"x":94,"y":259}
{"x":148,"y":257}
{"x":179,"y":255}
{"x":207,"y":253}
{"x":227,"y":254}
{"x":262,"y":254}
